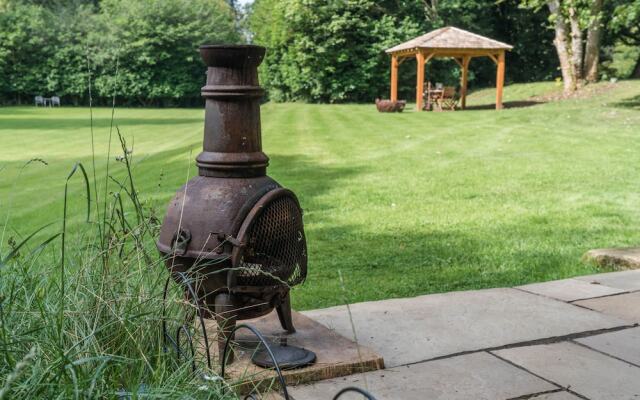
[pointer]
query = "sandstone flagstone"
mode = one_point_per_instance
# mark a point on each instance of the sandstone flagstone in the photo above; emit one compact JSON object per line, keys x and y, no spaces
{"x":624,"y":344}
{"x":477,"y":376}
{"x":556,"y":396}
{"x":421,"y":328}
{"x":588,"y":373}
{"x":335,"y":354}
{"x":624,"y":306}
{"x":570,"y":289}
{"x":626,"y":280}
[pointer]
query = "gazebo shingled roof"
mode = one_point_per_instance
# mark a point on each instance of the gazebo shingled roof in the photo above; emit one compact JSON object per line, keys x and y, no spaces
{"x":449,"y":42}
{"x":450,"y":37}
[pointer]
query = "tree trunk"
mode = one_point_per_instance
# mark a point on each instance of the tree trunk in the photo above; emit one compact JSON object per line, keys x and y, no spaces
{"x":577,"y":52}
{"x":592,"y":58}
{"x":560,"y":41}
{"x":431,"y":10}
{"x":636,"y":70}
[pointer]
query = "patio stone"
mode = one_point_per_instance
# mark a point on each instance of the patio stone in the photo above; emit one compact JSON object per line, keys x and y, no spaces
{"x":570,"y":289}
{"x":587,"y":372}
{"x":624,"y":344}
{"x":625,"y":280}
{"x":421,"y":328}
{"x":556,"y":396}
{"x":628,"y":257}
{"x":625,"y":306}
{"x":335,"y":355}
{"x":475,"y":376}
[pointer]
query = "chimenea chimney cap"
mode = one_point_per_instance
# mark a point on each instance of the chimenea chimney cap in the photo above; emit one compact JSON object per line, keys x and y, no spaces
{"x":231,"y":55}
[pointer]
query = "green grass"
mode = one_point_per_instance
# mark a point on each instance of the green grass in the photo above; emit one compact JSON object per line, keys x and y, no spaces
{"x":401,"y":204}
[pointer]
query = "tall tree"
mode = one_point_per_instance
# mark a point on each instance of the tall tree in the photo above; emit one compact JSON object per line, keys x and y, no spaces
{"x":155,"y":44}
{"x":625,"y":25}
{"x":333,"y":50}
{"x":571,"y":19}
{"x":58,"y":46}
{"x":25,"y":45}
{"x":561,"y":42}
{"x":328,"y":50}
{"x":592,"y":56}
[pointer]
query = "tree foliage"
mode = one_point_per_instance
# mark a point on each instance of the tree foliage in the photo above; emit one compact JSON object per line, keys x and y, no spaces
{"x":57,"y":48}
{"x":24,"y":48}
{"x":317,"y":50}
{"x":326,"y":51}
{"x":624,"y":26}
{"x":154,"y":43}
{"x":333,"y":50}
{"x":625,"y":21}
{"x":578,"y":30}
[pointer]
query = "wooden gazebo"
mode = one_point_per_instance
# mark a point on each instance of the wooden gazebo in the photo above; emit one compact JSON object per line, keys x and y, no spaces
{"x":448,"y":42}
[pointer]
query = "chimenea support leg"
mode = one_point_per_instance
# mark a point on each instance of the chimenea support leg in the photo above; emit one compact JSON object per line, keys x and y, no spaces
{"x":284,"y":314}
{"x":226,"y":319}
{"x":287,"y":356}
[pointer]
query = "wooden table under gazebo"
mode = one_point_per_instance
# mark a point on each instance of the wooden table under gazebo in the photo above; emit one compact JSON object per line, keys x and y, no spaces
{"x":448,"y":42}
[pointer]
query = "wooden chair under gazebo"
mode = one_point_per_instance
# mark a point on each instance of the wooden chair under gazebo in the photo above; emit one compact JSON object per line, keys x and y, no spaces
{"x":449,"y":42}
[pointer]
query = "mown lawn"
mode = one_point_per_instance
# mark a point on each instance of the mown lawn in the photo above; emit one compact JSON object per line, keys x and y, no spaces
{"x":401,"y":204}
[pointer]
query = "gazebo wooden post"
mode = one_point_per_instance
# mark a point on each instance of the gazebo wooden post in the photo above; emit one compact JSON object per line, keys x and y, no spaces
{"x":394,"y":77}
{"x":464,"y":80}
{"x":420,"y":80}
{"x":499,"y":80}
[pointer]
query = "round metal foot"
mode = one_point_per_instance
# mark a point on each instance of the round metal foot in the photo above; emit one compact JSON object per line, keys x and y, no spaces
{"x":288,"y":357}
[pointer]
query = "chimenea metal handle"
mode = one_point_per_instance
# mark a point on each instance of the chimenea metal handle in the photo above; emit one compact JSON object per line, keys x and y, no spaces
{"x":234,"y":241}
{"x":180,"y":242}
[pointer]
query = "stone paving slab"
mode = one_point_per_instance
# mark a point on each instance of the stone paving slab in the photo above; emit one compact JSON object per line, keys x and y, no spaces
{"x":570,"y":289}
{"x":624,"y":344}
{"x":624,"y":306}
{"x":336,"y":355}
{"x":625,"y":280}
{"x":421,"y":328}
{"x":556,"y":396}
{"x":628,"y":257}
{"x":475,"y":376}
{"x":587,"y":372}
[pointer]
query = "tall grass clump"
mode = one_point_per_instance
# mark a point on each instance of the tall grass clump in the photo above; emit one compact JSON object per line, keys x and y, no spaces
{"x":81,"y":299}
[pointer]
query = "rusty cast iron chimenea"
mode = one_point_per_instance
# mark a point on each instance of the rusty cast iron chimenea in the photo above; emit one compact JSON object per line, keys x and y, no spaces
{"x":234,"y":231}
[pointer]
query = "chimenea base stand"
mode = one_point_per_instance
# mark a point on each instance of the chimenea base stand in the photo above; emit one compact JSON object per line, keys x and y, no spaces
{"x":287,"y":356}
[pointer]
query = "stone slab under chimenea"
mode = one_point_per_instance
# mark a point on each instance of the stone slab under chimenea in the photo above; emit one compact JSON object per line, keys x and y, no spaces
{"x":336,"y":355}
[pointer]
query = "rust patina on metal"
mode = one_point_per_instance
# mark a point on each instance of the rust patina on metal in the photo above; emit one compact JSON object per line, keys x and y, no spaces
{"x":233,"y":231}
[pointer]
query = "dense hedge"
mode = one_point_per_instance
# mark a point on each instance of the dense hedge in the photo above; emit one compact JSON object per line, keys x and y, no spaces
{"x":143,"y":50}
{"x":333,"y":50}
{"x":318,"y":50}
